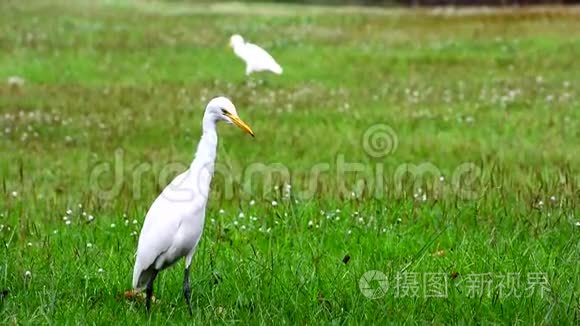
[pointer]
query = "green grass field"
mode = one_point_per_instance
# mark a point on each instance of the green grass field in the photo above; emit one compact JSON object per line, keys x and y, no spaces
{"x":481,"y":108}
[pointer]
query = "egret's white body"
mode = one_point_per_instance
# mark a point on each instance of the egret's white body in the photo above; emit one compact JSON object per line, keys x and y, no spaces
{"x":172,"y":228}
{"x":174,"y":223}
{"x":256,"y":58}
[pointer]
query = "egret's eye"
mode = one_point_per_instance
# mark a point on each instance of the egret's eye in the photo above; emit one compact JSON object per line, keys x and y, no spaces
{"x":224,"y":112}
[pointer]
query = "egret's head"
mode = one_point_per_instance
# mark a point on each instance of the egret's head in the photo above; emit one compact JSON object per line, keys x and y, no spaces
{"x":236,"y":40}
{"x":221,"y":108}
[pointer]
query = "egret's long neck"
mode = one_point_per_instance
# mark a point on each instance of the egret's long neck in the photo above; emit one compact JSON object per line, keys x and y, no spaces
{"x":206,"y":149}
{"x":239,"y":48}
{"x":202,"y":166}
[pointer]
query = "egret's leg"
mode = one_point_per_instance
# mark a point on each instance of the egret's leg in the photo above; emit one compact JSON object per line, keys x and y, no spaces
{"x":149,"y":291}
{"x":187,"y":290}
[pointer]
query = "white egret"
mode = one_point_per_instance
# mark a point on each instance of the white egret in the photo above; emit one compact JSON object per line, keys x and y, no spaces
{"x":256,"y":58}
{"x":174,"y":223}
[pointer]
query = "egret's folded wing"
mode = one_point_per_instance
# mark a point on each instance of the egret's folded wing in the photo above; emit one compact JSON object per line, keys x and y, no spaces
{"x":155,"y":239}
{"x":159,"y":228}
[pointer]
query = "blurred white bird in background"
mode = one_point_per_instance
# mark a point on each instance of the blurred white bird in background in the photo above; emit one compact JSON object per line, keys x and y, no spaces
{"x":174,"y":223}
{"x":256,"y":58}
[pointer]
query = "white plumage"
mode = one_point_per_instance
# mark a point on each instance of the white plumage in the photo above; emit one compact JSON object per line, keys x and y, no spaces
{"x":174,"y":223}
{"x":256,"y":58}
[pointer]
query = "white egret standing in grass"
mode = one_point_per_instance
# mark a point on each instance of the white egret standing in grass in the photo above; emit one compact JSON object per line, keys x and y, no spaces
{"x":256,"y":58}
{"x":174,"y":223}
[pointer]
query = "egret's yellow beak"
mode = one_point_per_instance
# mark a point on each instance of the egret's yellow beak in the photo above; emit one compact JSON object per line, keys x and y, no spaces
{"x":238,"y":122}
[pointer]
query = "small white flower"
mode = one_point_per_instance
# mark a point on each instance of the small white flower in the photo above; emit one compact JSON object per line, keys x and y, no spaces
{"x":349,"y":232}
{"x":252,"y":202}
{"x":274,"y":203}
{"x":90,"y":218}
{"x":361,"y":220}
{"x":126,"y":222}
{"x":222,"y":211}
{"x":235,"y":222}
{"x":441,"y":178}
{"x":310,"y":223}
{"x":124,"y":215}
{"x":399,"y":220}
{"x":337,"y":210}
{"x":55,"y":232}
{"x":84,"y":213}
{"x":80,"y":205}
{"x":65,"y":218}
{"x":384,"y":230}
{"x":241,"y":215}
{"x":15,"y":81}
{"x":553,"y":198}
{"x":27,"y":274}
{"x":113,"y":225}
{"x":133,"y":233}
{"x":135,"y":222}
{"x":101,"y":270}
{"x":68,"y":211}
{"x":14,"y":194}
{"x":29,"y":244}
{"x":213,"y":220}
{"x":578,"y":224}
{"x":67,"y":222}
{"x":243,"y":227}
{"x":424,"y":197}
{"x":268,"y":230}
{"x":89,"y":245}
{"x":260,"y":229}
{"x":541,"y":203}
